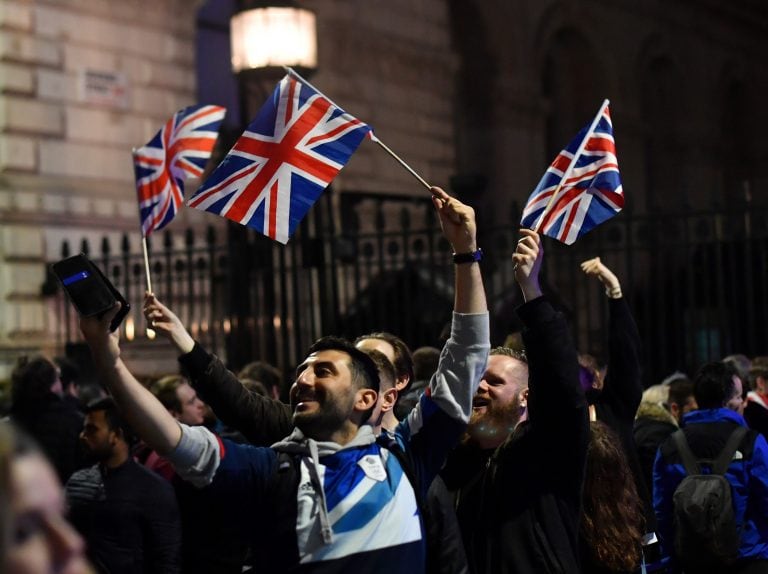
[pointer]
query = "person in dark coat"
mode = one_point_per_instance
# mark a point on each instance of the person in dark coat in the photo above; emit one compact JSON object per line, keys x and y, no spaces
{"x":653,"y":425}
{"x":615,"y":397}
{"x":126,"y":513}
{"x":38,"y":409}
{"x":519,"y":473}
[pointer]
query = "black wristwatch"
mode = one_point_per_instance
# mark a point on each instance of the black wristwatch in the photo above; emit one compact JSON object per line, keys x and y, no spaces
{"x":470,"y":257}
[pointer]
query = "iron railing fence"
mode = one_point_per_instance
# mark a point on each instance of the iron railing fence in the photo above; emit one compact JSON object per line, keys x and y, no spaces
{"x":696,"y":281}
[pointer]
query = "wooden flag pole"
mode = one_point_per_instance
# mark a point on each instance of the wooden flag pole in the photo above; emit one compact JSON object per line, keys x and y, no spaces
{"x":146,"y":263}
{"x":400,"y":161}
{"x":373,"y":137}
{"x":143,"y":240}
{"x":571,"y":165}
{"x":150,"y":332}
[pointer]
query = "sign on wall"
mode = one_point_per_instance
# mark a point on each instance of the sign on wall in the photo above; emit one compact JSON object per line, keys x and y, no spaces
{"x":103,"y":87}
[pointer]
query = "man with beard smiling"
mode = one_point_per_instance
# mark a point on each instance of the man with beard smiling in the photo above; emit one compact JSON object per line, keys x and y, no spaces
{"x":519,"y":471}
{"x":351,"y":507}
{"x":500,"y":401}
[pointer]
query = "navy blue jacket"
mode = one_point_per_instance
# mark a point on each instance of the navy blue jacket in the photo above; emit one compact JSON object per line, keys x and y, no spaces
{"x":707,"y":432}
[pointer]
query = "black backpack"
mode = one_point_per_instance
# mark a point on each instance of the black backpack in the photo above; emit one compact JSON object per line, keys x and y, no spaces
{"x":707,"y":536}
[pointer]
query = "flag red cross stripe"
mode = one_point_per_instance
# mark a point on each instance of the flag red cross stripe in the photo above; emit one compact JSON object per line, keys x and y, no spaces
{"x":601,"y":142}
{"x":570,"y":194}
{"x":547,"y":192}
{"x":277,"y":153}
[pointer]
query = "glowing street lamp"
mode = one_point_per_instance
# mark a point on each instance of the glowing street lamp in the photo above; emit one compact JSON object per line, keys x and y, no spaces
{"x":270,"y":37}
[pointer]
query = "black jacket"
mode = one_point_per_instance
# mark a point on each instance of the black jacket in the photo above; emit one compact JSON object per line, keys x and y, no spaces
{"x":128,"y":516}
{"x":519,"y":506}
{"x":652,"y":427}
{"x":756,"y":416}
{"x":622,"y":392}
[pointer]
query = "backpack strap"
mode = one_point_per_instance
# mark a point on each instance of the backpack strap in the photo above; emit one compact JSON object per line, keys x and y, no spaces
{"x":690,"y":463}
{"x":720,"y":464}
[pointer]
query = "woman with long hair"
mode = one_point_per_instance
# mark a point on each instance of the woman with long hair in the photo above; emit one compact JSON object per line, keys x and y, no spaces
{"x":612,"y":521}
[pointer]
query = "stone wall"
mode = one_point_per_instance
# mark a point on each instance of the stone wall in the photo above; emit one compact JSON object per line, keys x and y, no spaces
{"x":81,"y":83}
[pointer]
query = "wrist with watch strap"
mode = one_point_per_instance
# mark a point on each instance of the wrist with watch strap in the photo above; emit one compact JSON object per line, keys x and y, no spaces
{"x":468,"y":257}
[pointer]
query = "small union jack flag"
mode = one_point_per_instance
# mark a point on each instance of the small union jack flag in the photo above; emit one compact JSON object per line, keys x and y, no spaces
{"x":585,"y":182}
{"x":284,"y":160}
{"x":179,"y":150}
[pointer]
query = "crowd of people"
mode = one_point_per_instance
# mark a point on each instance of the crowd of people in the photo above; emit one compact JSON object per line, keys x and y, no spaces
{"x":468,"y":459}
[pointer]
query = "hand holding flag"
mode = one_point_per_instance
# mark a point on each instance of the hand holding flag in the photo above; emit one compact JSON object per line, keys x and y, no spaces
{"x":178,"y":151}
{"x":582,"y":188}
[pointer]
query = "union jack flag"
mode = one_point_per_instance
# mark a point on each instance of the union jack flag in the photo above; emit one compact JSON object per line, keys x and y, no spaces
{"x":586,"y":184}
{"x":178,"y":151}
{"x":283,"y":161}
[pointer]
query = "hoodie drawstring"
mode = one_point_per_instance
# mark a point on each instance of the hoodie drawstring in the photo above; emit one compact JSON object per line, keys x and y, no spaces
{"x":325,"y":523}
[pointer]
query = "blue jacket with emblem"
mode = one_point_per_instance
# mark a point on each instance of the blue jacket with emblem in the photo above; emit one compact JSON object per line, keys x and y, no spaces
{"x":707,"y":432}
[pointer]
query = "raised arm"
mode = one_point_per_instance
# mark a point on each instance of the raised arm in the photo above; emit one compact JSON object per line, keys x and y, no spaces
{"x":458,"y":223}
{"x":146,"y":415}
{"x":623,"y":386}
{"x":469,"y":329}
{"x":262,"y":420}
{"x":440,"y":417}
{"x":556,"y":404}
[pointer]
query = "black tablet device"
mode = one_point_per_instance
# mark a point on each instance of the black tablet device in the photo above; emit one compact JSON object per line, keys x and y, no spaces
{"x":88,"y":288}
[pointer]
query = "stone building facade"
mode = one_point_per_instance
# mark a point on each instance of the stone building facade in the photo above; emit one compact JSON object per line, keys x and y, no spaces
{"x":81,"y":83}
{"x":476,"y":93}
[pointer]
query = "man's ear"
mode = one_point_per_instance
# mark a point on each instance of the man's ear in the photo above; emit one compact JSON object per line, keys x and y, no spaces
{"x":388,"y":400}
{"x":523,"y":396}
{"x":115,"y":436}
{"x":365,"y":399}
{"x":402,"y":382}
{"x":674,"y":408}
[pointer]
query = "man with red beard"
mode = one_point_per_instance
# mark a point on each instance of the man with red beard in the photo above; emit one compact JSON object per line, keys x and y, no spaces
{"x":519,"y":471}
{"x":500,"y":401}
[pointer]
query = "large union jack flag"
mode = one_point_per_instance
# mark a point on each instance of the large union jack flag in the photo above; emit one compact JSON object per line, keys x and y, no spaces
{"x":586,"y":184}
{"x":178,"y":151}
{"x":283,"y":161}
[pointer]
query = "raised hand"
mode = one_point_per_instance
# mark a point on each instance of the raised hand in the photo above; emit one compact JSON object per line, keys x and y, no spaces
{"x":527,"y":259}
{"x":164,"y":321}
{"x":456,"y":220}
{"x":104,"y":344}
{"x":596,"y":268}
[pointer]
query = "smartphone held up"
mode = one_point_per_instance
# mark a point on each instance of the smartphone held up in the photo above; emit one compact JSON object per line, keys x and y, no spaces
{"x":88,"y":288}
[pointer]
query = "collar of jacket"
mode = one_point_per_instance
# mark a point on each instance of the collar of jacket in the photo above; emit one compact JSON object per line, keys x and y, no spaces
{"x":297,"y":443}
{"x":755,"y":397}
{"x":714,"y":416}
